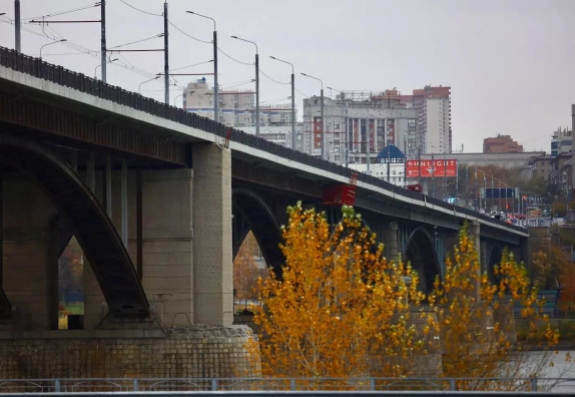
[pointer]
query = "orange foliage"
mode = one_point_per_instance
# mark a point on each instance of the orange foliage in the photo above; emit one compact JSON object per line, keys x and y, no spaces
{"x":338,"y":302}
{"x":339,"y":305}
{"x":475,"y":315}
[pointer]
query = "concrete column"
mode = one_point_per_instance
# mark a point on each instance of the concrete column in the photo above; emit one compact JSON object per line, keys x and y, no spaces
{"x":212,"y":225}
{"x":392,"y":243}
{"x":30,"y":271}
{"x":167,"y":242}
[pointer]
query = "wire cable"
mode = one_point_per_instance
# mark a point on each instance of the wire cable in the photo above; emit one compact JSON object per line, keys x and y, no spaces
{"x":234,"y":59}
{"x":305,"y":95}
{"x":190,"y":36}
{"x":142,"y":11}
{"x":137,"y":41}
{"x":272,"y":79}
{"x":81,"y":8}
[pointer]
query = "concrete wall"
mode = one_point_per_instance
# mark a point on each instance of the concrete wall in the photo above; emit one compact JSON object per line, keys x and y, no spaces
{"x":194,"y":353}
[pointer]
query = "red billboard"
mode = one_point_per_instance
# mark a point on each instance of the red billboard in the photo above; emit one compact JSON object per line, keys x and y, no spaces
{"x":441,"y":168}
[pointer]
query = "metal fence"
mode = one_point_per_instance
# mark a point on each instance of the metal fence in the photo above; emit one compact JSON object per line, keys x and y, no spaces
{"x":78,"y":81}
{"x":285,"y":384}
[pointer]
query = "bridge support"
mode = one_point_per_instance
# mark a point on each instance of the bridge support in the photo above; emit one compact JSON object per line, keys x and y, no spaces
{"x":212,"y":218}
{"x":392,"y":244}
{"x":30,"y":276}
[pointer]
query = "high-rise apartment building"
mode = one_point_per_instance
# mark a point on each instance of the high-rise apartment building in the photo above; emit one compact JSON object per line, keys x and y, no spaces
{"x":433,"y":106}
{"x":501,"y":144}
{"x":236,"y":107}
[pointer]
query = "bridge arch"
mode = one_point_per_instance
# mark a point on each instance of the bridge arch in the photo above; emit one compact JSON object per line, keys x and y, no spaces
{"x":252,"y":212}
{"x":421,"y":253}
{"x":92,"y":227}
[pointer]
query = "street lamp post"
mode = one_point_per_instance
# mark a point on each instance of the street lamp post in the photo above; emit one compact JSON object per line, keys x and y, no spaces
{"x":216,"y":88}
{"x":147,"y":81}
{"x":257,"y":84}
{"x":97,"y":66}
{"x":293,"y":137}
{"x":321,"y":115}
{"x":45,"y":45}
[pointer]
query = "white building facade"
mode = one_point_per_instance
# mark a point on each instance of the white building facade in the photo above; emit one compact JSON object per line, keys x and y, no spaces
{"x":379,"y":170}
{"x":356,"y":128}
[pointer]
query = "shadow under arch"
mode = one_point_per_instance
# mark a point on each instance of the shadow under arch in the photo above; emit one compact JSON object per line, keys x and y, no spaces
{"x":495,"y":255}
{"x":420,"y":252}
{"x":91,"y":225}
{"x":251,"y":212}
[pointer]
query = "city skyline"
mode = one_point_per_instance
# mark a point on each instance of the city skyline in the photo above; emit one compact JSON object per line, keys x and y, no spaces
{"x":505,"y":61}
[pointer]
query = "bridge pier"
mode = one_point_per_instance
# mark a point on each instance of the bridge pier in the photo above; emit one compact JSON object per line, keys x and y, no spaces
{"x":30,"y":268}
{"x":392,"y":245}
{"x":212,"y":220}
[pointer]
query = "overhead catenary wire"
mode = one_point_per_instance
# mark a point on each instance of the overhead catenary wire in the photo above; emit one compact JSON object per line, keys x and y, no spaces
{"x":188,"y":35}
{"x":272,"y":79}
{"x":81,"y":8}
{"x":234,"y":59}
{"x":83,"y":50}
{"x":142,"y":11}
{"x":138,"y":41}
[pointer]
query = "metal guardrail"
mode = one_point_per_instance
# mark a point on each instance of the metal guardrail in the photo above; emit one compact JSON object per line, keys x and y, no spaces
{"x":27,"y":386}
{"x":78,"y":81}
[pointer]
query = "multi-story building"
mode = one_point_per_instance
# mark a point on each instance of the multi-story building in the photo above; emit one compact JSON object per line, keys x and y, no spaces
{"x":433,"y":106}
{"x":356,"y":126}
{"x":501,"y":144}
{"x":236,"y":107}
{"x":541,"y":167}
{"x":561,"y":142}
{"x":280,"y":134}
{"x":417,"y":123}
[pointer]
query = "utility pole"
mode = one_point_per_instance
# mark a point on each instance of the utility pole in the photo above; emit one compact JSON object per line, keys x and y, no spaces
{"x":17,"y":25}
{"x":368,"y":150}
{"x":433,"y":172}
{"x":388,"y":161}
{"x":445,"y":195}
{"x":405,"y":162}
{"x":166,"y":57}
{"x":346,"y":137}
{"x":456,"y":183}
{"x":103,"y":40}
{"x":419,"y":165}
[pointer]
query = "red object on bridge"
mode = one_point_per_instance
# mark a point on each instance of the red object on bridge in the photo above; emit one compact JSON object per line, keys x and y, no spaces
{"x":441,"y":167}
{"x":415,"y":188}
{"x":339,"y":195}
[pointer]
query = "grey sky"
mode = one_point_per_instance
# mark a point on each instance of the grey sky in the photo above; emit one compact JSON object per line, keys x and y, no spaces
{"x":511,"y":64}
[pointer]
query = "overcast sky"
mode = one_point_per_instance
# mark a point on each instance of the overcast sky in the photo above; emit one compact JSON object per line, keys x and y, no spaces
{"x":511,"y":64}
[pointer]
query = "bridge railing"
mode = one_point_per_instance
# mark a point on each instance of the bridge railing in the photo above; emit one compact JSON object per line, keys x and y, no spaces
{"x":283,"y":384}
{"x":57,"y":74}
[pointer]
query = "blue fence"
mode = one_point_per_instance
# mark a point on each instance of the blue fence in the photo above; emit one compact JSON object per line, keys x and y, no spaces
{"x":78,"y":81}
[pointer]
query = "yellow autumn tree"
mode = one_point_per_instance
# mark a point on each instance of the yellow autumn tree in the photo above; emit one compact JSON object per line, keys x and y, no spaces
{"x":475,"y":316}
{"x":337,"y":303}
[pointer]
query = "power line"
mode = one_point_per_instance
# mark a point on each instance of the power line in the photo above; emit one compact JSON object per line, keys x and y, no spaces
{"x":234,"y":59}
{"x":185,"y":34}
{"x":81,"y":8}
{"x":137,"y":41}
{"x":305,"y":95}
{"x":142,"y":11}
{"x":272,"y":79}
